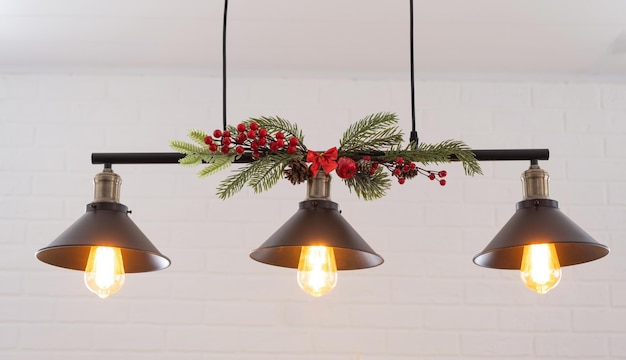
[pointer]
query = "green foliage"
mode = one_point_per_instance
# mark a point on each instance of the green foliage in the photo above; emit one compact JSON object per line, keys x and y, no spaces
{"x":376,"y":135}
{"x":276,"y":124}
{"x":260,"y":174}
{"x":369,"y":187}
{"x":372,"y":133}
{"x":188,"y":149}
{"x":198,"y":136}
{"x":216,"y":163}
{"x":437,"y":154}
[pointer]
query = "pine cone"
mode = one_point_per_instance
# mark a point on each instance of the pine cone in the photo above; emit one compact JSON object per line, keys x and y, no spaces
{"x":364,"y":166}
{"x":298,"y":172}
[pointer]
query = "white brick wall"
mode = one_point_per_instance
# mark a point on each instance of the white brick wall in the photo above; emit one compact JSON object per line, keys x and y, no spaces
{"x":427,"y":301}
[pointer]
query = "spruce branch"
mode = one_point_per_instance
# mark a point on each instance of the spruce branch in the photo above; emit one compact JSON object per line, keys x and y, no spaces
{"x":188,"y":148}
{"x":369,"y":187}
{"x":216,"y":163}
{"x":197,"y":136}
{"x":270,"y":172}
{"x":371,"y":133}
{"x":190,"y":160}
{"x":437,"y":154}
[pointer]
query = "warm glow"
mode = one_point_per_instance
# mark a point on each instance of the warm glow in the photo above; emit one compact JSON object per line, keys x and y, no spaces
{"x":317,"y":270}
{"x":104,"y":274}
{"x":540,"y":270}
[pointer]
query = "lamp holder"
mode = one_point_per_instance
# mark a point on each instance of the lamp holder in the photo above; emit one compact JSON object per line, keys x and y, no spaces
{"x":318,"y":186}
{"x":107,"y":185}
{"x":535,"y":183}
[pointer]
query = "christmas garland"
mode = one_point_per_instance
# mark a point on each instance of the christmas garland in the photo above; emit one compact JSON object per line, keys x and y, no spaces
{"x":370,"y":151}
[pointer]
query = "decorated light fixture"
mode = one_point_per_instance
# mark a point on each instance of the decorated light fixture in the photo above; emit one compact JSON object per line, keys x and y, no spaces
{"x":539,"y":239}
{"x":104,"y":243}
{"x":317,"y":241}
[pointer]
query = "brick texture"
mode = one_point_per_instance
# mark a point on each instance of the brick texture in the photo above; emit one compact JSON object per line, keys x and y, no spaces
{"x":427,"y":301}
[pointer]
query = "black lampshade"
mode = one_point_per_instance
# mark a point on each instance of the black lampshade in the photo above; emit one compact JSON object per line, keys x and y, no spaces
{"x":104,"y":224}
{"x":317,"y":223}
{"x":539,"y":221}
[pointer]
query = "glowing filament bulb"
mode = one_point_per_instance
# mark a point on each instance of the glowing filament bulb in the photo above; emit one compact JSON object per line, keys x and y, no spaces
{"x":104,"y":274}
{"x":317,"y":270}
{"x":540,"y":270}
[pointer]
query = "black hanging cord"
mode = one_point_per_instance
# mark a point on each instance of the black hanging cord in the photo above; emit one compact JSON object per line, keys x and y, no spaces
{"x":413,"y":137}
{"x":224,"y":66}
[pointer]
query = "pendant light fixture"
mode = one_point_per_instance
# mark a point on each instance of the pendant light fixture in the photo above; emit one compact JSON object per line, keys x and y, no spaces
{"x":104,"y":242}
{"x":317,"y":241}
{"x":539,"y":239}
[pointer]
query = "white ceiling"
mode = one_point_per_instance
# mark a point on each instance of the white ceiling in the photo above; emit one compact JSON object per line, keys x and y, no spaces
{"x":522,"y":38}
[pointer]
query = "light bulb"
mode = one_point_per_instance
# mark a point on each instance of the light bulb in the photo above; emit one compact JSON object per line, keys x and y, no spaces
{"x":104,"y":274}
{"x":540,"y":270}
{"x":317,"y":270}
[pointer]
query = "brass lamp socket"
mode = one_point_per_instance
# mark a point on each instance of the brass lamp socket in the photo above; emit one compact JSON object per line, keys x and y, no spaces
{"x":318,"y":187}
{"x":107,"y":186}
{"x":535,"y":183}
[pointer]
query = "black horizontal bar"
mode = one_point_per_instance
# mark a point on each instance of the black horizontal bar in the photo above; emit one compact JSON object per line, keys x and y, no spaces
{"x":173,"y":157}
{"x":509,"y":154}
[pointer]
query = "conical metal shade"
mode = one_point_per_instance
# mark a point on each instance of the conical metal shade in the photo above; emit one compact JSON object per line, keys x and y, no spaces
{"x":539,"y":221}
{"x":317,"y":222}
{"x":104,"y":224}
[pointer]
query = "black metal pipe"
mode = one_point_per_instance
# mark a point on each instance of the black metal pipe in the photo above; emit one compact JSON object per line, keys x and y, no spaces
{"x":173,"y":157}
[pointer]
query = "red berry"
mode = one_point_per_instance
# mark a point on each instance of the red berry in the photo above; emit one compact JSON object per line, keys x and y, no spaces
{"x":256,"y":155}
{"x":208,"y":140}
{"x":274,"y":146}
{"x":442,"y":182}
{"x":225,"y":149}
{"x":293,"y":141}
{"x":239,"y":149}
{"x":400,"y":160}
{"x":262,"y":132}
{"x":213,"y":147}
{"x":412,"y":166}
{"x":397,"y":171}
{"x":431,"y":176}
{"x":241,"y":138}
{"x":217,"y":133}
{"x":254,"y":126}
{"x":262,"y":141}
{"x":401,"y":180}
{"x":367,"y":157}
{"x":251,"y":134}
{"x":291,"y":150}
{"x":280,"y":135}
{"x":241,"y":127}
{"x":372,"y":171}
{"x":226,"y":133}
{"x":346,"y":167}
{"x":406,"y":168}
{"x":443,"y":173}
{"x":375,"y":165}
{"x":254,"y":146}
{"x":281,"y":143}
{"x":226,"y":141}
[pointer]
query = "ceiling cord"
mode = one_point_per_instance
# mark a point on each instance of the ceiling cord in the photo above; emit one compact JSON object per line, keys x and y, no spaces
{"x":224,"y":66}
{"x":413,"y":138}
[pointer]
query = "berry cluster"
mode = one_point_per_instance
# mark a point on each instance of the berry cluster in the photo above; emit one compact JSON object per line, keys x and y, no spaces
{"x":404,"y":169}
{"x":251,"y":138}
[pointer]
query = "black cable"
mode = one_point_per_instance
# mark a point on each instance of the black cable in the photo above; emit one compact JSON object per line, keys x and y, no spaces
{"x":224,"y":66}
{"x":413,"y":137}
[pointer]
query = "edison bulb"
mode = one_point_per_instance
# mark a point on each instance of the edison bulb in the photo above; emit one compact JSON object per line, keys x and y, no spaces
{"x":540,"y":270}
{"x":317,"y":270}
{"x":104,"y":274}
